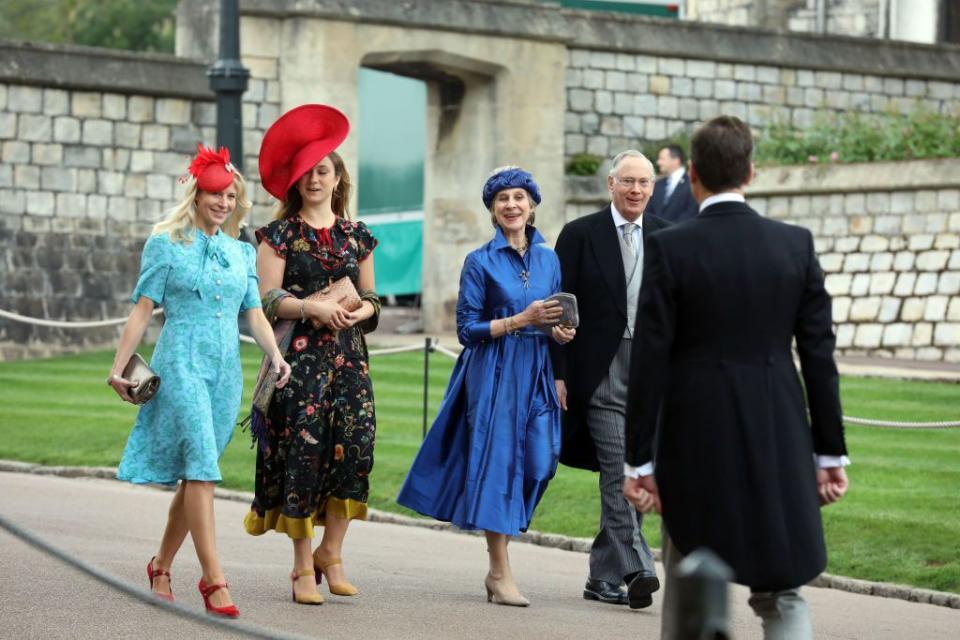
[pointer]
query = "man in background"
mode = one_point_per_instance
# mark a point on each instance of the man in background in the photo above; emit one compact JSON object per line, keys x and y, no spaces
{"x":672,"y":199}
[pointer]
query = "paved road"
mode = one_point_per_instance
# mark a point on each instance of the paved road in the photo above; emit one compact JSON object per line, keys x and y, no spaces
{"x":416,"y":582}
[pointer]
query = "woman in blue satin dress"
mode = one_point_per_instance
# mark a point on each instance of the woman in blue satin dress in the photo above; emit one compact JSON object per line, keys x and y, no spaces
{"x":495,"y":443}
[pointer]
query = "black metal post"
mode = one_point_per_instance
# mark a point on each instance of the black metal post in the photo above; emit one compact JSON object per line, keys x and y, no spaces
{"x":228,"y":79}
{"x":427,"y":348}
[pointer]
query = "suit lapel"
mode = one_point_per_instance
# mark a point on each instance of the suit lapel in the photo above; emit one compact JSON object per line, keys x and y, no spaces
{"x":606,"y":251}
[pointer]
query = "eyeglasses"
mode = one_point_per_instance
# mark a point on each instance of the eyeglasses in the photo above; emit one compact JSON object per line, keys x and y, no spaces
{"x":630,"y":183}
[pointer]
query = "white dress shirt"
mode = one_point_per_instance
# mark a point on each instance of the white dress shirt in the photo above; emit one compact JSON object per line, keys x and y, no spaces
{"x":646,"y":469}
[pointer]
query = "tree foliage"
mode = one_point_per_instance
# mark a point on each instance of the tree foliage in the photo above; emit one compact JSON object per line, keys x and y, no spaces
{"x":139,"y":25}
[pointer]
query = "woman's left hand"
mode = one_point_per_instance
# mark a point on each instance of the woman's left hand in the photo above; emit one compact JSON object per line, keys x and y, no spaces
{"x":562,"y":334}
{"x":282,"y":368}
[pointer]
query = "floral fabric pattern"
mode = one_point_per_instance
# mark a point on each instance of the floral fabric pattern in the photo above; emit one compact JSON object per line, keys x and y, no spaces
{"x":182,"y":432}
{"x":321,"y":427}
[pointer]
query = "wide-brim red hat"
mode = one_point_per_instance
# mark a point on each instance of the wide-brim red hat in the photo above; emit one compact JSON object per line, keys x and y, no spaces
{"x":296,"y":142}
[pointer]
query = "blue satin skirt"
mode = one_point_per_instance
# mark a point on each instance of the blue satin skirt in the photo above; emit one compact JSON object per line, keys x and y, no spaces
{"x":494,"y":446}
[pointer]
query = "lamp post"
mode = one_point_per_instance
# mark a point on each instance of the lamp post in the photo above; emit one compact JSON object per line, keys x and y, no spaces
{"x":228,"y":79}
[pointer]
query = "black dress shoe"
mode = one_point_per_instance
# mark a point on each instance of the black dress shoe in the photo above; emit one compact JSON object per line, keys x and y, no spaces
{"x":640,"y":589}
{"x":604,"y":592}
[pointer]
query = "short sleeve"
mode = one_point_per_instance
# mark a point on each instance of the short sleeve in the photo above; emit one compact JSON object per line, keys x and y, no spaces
{"x":154,"y":267}
{"x":366,"y":243}
{"x":276,"y":235}
{"x":251,"y":299}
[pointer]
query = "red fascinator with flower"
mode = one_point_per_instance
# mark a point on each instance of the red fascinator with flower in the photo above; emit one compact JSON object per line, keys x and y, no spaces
{"x":212,"y":169}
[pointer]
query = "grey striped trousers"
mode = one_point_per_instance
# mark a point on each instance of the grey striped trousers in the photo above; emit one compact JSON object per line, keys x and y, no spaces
{"x":619,"y":548}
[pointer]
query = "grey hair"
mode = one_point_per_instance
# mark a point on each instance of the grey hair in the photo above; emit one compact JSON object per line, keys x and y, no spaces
{"x":629,"y":153}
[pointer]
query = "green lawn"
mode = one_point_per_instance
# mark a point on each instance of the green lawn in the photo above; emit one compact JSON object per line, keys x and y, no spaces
{"x":899,"y":523}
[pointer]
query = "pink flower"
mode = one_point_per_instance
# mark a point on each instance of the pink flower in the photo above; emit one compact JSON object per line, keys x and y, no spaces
{"x":338,"y":361}
{"x":834,"y":156}
{"x":310,"y":409}
{"x":300,"y":343}
{"x":812,"y":159}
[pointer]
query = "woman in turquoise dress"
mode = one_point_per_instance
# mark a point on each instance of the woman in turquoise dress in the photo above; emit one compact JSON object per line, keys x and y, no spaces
{"x":494,"y":445}
{"x":194,"y":267}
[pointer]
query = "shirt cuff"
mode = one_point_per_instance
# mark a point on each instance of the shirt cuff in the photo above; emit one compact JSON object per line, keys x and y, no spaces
{"x":638,"y":472}
{"x":830,"y":462}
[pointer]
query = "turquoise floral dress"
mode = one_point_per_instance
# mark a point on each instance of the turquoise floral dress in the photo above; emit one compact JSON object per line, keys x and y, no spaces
{"x":203,"y":285}
{"x":316,"y":455}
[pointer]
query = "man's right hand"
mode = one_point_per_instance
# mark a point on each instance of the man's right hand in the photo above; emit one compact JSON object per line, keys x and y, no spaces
{"x":831,"y":484}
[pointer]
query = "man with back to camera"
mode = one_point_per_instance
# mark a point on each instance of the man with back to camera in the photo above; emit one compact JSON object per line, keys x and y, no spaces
{"x":601,"y":262}
{"x":739,"y":468}
{"x":672,"y":199}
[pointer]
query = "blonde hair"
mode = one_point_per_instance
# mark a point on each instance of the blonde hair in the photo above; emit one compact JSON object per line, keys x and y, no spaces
{"x":338,"y":201}
{"x":181,"y":220}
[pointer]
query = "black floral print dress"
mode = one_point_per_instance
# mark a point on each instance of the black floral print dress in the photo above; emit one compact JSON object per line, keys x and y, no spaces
{"x":318,"y":449}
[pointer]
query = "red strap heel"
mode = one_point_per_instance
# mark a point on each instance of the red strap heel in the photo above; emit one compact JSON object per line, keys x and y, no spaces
{"x":156,"y":573}
{"x":206,"y":590}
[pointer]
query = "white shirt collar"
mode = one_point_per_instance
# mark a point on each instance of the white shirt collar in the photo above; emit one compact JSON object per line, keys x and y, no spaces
{"x":619,"y":220}
{"x":727,"y":196}
{"x":676,"y":175}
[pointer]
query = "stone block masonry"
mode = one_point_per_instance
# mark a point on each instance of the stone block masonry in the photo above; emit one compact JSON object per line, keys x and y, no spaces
{"x":616,"y":102}
{"x":89,"y":161}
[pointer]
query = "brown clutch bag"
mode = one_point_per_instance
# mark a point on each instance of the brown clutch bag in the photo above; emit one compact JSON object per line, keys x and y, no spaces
{"x":148,"y":382}
{"x":340,"y":291}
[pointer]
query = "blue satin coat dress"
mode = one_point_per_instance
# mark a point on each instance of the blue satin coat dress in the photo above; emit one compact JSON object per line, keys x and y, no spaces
{"x":494,"y":446}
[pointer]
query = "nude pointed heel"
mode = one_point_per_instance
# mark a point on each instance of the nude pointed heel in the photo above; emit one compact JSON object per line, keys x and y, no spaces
{"x":495,"y":596}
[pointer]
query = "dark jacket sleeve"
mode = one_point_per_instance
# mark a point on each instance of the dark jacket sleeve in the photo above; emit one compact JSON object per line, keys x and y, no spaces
{"x":815,"y":344}
{"x":568,"y":250}
{"x":650,"y":358}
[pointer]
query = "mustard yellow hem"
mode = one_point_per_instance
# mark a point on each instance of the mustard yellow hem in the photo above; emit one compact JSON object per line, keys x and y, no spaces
{"x":298,"y":528}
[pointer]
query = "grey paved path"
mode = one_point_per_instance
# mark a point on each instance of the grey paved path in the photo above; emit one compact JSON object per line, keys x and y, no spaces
{"x":416,"y":583}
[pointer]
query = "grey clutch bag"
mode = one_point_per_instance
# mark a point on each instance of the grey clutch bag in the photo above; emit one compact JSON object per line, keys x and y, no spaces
{"x":571,"y":316}
{"x":148,"y":382}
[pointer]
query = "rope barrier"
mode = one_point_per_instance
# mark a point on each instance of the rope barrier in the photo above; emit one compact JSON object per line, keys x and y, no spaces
{"x":434,"y":346}
{"x":147,"y":597}
{"x":893,"y":424}
{"x":66,"y":324}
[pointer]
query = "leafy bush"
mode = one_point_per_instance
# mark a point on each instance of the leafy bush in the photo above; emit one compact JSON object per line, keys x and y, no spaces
{"x":583,"y":164}
{"x":858,"y":137}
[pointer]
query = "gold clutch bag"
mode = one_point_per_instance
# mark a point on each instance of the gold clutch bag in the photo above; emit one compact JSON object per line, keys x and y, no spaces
{"x":340,"y":291}
{"x":148,"y":382}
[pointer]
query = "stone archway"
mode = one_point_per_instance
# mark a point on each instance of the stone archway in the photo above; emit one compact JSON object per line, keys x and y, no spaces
{"x":492,"y":100}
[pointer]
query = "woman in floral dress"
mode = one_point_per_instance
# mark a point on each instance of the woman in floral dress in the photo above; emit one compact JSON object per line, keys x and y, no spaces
{"x":316,"y":442}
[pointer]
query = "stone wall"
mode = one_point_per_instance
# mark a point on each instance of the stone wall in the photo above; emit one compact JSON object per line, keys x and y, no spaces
{"x":90,"y":153}
{"x":888,"y":238}
{"x":620,"y":100}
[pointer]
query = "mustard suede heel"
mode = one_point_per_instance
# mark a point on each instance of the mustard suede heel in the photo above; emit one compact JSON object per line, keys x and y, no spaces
{"x":314,"y":598}
{"x":338,"y":589}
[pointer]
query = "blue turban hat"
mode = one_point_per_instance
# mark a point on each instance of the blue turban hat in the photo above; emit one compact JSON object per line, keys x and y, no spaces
{"x":511,"y":178}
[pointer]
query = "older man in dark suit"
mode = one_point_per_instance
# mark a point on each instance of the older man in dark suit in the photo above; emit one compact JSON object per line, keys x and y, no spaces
{"x":672,"y":199}
{"x":739,"y":467}
{"x":601,"y":262}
